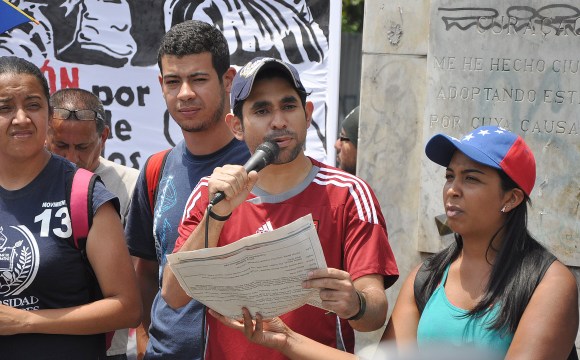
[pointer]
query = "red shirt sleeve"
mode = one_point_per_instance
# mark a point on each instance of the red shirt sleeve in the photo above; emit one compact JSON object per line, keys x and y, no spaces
{"x":366,"y":245}
{"x":193,"y":212}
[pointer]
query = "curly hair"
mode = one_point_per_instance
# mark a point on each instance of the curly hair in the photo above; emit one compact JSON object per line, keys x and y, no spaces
{"x":196,"y":37}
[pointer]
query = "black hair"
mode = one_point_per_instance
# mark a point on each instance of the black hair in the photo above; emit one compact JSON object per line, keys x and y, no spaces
{"x":271,"y":73}
{"x":87,"y":98}
{"x":195,"y":37}
{"x":509,"y":287}
{"x":16,"y":65}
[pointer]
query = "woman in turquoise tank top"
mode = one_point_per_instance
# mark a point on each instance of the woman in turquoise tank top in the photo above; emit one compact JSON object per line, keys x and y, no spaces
{"x":495,"y":289}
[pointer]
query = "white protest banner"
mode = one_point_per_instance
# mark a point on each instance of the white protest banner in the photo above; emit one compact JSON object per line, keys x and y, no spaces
{"x":110,"y":48}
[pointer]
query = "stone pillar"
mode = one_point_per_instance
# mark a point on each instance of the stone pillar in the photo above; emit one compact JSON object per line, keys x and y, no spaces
{"x":392,"y":102}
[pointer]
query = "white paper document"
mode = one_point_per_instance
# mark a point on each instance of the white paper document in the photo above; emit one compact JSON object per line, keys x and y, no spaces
{"x":262,"y":272}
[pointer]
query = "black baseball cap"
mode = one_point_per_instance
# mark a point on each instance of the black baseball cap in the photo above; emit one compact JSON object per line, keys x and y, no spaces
{"x":244,"y":79}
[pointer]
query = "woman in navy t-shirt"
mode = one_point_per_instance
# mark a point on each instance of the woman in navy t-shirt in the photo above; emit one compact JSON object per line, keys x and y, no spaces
{"x":47,"y":304}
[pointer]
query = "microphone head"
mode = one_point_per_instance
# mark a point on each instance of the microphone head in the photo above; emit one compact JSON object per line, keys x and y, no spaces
{"x":271,"y":150}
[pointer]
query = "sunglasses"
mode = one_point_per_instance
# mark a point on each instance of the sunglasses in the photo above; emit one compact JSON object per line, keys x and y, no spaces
{"x":343,"y":139}
{"x":83,"y":115}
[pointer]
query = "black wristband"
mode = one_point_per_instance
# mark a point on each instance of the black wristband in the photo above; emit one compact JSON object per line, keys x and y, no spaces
{"x":218,"y":217}
{"x":363,"y":306}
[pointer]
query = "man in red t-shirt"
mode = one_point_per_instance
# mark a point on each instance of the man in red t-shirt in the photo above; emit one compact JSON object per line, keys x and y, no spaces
{"x":269,"y":104}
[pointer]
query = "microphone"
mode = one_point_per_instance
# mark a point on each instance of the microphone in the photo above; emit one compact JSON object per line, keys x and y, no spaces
{"x":264,"y":155}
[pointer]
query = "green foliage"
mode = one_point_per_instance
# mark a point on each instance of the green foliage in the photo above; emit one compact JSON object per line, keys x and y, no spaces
{"x":352,"y":15}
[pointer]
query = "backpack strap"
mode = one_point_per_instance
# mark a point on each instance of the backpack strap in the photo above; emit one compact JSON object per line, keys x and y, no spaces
{"x":81,"y":206}
{"x":80,"y":192}
{"x":153,"y":170}
{"x":421,"y":297}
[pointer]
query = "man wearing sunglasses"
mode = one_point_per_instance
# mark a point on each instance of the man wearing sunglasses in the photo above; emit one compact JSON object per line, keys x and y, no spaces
{"x":78,"y":132}
{"x":346,"y":143}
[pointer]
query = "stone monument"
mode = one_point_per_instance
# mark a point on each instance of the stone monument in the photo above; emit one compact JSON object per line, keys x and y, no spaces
{"x":514,"y":64}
